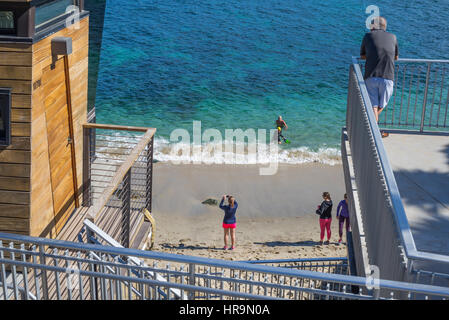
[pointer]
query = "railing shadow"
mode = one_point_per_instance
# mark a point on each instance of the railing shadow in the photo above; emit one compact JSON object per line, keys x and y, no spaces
{"x":188,"y":247}
{"x":289,"y":244}
{"x":424,"y":193}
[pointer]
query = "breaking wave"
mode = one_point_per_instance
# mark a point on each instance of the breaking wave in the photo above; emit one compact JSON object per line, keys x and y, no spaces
{"x":241,"y":153}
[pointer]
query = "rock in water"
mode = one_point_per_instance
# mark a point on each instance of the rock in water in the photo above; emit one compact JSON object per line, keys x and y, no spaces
{"x":211,"y":202}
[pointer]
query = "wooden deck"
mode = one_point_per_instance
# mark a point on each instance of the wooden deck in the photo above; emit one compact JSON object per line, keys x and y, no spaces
{"x":119,"y":193}
{"x":139,"y":227}
{"x":73,"y":226}
{"x":71,"y":232}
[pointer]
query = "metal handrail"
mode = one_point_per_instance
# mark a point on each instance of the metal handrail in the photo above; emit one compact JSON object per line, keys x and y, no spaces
{"x":355,"y":58}
{"x":407,"y":82}
{"x":400,"y":216}
{"x":95,"y":210}
{"x":423,"y":60}
{"x":110,"y":241}
{"x":334,"y":278}
{"x":157,"y":283}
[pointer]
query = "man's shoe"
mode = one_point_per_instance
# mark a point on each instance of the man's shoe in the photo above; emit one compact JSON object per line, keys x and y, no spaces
{"x":384,"y":134}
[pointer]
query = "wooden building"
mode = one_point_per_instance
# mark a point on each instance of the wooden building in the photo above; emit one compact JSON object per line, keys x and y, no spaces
{"x":44,"y":46}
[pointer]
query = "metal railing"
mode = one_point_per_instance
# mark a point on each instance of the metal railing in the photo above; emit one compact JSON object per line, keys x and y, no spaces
{"x":39,"y":268}
{"x":381,"y":208}
{"x":322,"y":264}
{"x":420,"y":98}
{"x":97,"y":236}
{"x":118,"y":167}
{"x":326,"y":265}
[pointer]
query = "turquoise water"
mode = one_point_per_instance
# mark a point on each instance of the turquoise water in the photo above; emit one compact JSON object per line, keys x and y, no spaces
{"x":239,"y":64}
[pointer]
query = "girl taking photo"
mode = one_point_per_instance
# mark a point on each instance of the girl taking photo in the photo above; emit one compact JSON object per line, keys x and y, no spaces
{"x":229,"y":220}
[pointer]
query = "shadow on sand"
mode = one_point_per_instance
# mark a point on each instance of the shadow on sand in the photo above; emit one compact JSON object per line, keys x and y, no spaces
{"x":187,"y":247}
{"x":289,"y":244}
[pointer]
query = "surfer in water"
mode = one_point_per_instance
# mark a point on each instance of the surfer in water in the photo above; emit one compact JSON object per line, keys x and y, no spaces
{"x":281,"y":124}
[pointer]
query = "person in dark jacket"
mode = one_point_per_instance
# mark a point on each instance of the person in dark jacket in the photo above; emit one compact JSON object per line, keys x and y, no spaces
{"x":229,"y":220}
{"x":343,"y":216}
{"x":325,"y":212}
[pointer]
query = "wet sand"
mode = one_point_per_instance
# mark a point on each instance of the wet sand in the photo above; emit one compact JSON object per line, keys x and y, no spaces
{"x":276,"y":216}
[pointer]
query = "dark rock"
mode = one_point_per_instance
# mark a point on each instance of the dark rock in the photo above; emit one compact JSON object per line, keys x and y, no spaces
{"x":210,"y":202}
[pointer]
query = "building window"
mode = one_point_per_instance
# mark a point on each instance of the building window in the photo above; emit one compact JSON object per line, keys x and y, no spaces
{"x":7,"y":22}
{"x":53,"y":11}
{"x":5,"y":112}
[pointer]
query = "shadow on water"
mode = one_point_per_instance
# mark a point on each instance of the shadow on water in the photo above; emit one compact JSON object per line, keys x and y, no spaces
{"x":425,"y":195}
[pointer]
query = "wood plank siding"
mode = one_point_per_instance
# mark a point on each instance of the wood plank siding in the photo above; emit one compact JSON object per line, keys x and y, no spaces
{"x":15,"y":159}
{"x":36,"y":182}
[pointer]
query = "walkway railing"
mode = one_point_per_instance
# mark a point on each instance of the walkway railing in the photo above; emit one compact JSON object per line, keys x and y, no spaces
{"x":381,"y":208}
{"x":326,"y":265}
{"x":118,"y":167}
{"x":38,"y":268}
{"x":420,"y":98}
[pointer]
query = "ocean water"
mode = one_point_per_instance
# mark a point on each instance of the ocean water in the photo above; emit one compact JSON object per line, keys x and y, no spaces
{"x":239,"y":64}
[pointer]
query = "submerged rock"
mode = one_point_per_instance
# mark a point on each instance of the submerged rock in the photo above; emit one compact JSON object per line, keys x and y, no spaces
{"x":210,"y":202}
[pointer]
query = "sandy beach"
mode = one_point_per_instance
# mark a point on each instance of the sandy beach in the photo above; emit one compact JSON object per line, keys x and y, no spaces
{"x":276,"y":216}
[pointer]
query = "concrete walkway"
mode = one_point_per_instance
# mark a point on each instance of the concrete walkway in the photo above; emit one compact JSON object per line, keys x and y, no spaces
{"x":421,"y":167}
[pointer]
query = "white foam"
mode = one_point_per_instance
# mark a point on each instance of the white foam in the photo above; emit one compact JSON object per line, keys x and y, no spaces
{"x":165,"y":151}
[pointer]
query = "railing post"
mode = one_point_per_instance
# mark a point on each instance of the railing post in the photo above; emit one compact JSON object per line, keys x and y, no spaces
{"x":3,"y":273}
{"x":92,"y":118}
{"x":423,"y":115}
{"x":149,"y":175}
{"x":43,"y":272}
{"x":126,"y":210}
{"x":87,"y":187}
{"x":191,"y":280}
{"x":92,"y":266}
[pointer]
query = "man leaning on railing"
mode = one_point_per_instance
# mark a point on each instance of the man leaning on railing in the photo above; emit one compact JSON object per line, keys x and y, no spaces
{"x":380,"y":49}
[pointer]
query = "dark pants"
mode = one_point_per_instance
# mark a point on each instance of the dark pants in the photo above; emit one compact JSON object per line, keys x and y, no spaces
{"x":280,"y":135}
{"x":341,"y":221}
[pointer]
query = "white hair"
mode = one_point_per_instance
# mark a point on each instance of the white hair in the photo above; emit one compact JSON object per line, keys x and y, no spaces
{"x":379,"y":23}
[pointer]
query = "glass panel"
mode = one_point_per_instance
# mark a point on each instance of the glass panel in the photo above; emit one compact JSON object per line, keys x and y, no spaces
{"x":49,"y":11}
{"x":2,"y":125}
{"x":4,"y":117}
{"x":96,"y":22}
{"x":6,"y":20}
